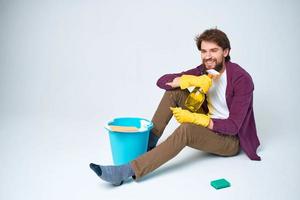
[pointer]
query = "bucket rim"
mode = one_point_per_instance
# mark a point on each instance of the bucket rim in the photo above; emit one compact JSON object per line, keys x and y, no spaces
{"x":149,"y":126}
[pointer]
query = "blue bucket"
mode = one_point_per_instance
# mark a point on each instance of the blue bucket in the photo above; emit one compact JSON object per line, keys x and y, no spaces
{"x":126,"y":146}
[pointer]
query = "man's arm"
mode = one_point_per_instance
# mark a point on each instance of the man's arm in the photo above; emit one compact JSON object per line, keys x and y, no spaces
{"x":166,"y":81}
{"x":175,"y":83}
{"x":210,"y":125}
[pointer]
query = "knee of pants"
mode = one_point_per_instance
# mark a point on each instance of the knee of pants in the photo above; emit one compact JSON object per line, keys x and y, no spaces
{"x":176,"y":91}
{"x":173,"y":90}
{"x":177,"y":94}
{"x":185,"y":132}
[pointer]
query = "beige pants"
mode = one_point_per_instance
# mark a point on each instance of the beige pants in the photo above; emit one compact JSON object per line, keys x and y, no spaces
{"x":186,"y":134}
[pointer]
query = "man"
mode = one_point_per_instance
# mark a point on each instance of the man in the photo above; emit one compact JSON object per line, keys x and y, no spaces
{"x":224,"y":124}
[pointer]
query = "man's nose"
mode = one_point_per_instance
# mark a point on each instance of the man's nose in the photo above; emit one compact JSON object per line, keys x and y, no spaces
{"x":207,"y":55}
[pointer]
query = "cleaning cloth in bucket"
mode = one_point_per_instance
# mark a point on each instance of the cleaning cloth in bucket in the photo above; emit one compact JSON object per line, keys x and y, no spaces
{"x":144,"y":127}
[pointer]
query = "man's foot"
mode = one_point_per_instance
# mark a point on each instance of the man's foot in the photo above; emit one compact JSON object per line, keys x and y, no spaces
{"x":113,"y":174}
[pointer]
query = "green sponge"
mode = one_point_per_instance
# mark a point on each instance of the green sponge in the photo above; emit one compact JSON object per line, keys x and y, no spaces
{"x":220,"y":183}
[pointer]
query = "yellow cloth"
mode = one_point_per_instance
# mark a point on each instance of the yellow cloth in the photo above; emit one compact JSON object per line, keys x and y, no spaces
{"x":182,"y":116}
{"x":204,"y":82}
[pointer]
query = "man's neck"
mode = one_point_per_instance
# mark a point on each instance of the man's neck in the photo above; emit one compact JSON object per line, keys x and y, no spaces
{"x":223,"y":68}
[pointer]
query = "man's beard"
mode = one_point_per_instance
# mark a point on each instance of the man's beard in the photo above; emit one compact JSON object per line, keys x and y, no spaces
{"x":218,"y":67}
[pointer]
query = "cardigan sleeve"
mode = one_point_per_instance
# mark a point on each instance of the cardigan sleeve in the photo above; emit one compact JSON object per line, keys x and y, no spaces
{"x":161,"y":83}
{"x":240,"y":106}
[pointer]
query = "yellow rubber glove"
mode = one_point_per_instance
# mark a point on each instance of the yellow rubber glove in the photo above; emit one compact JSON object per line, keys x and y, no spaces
{"x":182,"y":115}
{"x":204,"y":82}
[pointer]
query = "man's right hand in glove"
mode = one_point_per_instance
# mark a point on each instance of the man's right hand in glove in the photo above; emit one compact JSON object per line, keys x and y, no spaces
{"x":185,"y":81}
{"x":204,"y":82}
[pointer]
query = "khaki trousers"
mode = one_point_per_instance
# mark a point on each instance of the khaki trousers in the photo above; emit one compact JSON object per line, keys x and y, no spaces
{"x":187,"y":134}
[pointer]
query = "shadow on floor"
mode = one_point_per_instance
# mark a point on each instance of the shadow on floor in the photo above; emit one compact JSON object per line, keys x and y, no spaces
{"x":192,"y":159}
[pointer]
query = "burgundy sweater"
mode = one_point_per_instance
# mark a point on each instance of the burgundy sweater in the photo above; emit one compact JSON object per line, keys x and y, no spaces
{"x":239,"y":99}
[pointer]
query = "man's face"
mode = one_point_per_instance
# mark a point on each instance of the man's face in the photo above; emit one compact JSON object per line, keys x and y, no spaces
{"x":212,"y":55}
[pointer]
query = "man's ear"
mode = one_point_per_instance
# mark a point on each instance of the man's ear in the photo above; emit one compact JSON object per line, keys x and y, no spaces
{"x":225,"y":52}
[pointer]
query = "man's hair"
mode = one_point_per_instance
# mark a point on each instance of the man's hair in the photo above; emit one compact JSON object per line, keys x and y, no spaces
{"x":216,"y":36}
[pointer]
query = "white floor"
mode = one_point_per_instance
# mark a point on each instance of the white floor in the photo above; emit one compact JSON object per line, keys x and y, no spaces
{"x":49,"y":159}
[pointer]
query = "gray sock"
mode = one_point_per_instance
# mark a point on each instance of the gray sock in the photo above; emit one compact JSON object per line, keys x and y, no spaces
{"x":113,"y":174}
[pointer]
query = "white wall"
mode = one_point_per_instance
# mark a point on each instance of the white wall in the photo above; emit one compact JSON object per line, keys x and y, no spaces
{"x":101,"y":59}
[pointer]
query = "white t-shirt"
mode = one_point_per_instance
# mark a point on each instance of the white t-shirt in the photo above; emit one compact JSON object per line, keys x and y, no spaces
{"x":216,"y":98}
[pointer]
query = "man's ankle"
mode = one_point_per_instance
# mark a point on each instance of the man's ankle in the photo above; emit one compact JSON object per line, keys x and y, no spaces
{"x":153,"y":139}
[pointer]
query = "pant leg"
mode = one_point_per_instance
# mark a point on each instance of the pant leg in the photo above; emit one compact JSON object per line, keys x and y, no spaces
{"x":186,"y":134}
{"x":163,"y":114}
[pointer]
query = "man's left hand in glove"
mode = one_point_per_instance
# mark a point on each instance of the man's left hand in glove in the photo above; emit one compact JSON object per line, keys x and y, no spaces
{"x":185,"y":116}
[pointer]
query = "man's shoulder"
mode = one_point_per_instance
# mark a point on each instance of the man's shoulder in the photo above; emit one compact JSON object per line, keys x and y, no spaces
{"x":239,"y":77}
{"x":236,"y":70}
{"x":198,"y":70}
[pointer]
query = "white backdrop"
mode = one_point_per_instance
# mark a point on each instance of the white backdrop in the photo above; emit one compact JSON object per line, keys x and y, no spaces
{"x":99,"y":58}
{"x":71,"y":62}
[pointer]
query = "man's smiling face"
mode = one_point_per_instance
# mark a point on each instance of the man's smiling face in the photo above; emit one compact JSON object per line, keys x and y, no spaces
{"x":212,"y":55}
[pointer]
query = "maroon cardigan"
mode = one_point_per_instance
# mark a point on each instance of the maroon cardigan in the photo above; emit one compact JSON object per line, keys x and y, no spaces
{"x":239,"y":99}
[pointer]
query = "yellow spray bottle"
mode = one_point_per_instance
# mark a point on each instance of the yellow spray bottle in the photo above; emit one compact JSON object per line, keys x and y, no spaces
{"x":196,"y":98}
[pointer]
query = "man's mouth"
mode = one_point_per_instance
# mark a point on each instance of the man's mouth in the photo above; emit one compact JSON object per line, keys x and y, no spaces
{"x":210,"y":63}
